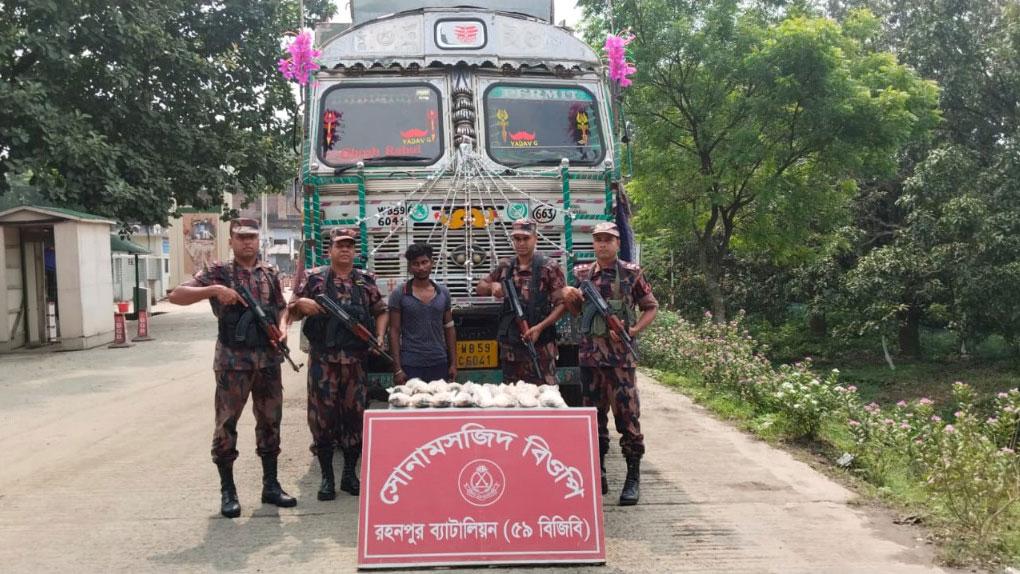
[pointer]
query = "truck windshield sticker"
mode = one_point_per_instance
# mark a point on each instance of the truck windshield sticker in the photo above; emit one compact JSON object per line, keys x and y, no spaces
{"x":534,"y":125}
{"x":380,"y":124}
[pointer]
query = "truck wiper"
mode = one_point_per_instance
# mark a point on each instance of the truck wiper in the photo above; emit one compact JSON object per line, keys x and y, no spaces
{"x":398,"y":157}
{"x":537,"y":163}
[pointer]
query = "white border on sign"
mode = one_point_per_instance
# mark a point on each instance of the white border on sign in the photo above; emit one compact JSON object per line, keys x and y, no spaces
{"x":387,"y":416}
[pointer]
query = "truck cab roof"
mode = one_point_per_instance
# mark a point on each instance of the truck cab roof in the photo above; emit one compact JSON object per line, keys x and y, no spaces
{"x":366,"y":10}
{"x":448,"y":36}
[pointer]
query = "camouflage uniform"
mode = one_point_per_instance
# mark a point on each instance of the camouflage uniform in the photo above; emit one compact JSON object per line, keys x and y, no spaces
{"x":515,"y":359}
{"x":244,"y":371}
{"x":337,"y":382}
{"x":607,"y":368}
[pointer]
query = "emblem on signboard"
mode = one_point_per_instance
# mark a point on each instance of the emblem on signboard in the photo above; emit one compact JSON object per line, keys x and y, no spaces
{"x":481,"y":482}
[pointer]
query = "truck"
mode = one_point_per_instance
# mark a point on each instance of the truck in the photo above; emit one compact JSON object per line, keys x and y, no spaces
{"x":443,"y":122}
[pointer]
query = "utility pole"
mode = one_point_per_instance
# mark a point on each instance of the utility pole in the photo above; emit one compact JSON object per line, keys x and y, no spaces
{"x":267,"y":239}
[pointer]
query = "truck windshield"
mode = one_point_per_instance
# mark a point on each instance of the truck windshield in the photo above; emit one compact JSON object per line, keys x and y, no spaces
{"x":537,"y":125}
{"x":391,"y":124}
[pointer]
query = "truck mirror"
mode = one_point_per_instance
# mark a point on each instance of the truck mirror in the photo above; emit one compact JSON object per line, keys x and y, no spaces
{"x":628,"y":132}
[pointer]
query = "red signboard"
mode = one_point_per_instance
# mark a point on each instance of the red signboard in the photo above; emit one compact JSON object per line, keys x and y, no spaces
{"x":468,"y":486}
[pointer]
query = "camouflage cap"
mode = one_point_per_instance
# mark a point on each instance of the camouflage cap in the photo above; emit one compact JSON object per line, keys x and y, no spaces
{"x":523,"y":226}
{"x":244,"y":226}
{"x":606,"y":228}
{"x":344,"y":234}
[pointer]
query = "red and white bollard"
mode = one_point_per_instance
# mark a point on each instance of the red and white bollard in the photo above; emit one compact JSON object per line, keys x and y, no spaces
{"x":120,"y":339}
{"x":143,"y":327}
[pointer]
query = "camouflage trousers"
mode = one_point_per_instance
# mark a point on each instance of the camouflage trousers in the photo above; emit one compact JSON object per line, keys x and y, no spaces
{"x":232,"y":389}
{"x":519,"y":368}
{"x":615,"y":389}
{"x":337,"y":395}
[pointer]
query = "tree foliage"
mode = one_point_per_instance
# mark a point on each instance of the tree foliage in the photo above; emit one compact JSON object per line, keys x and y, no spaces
{"x":756,"y":121}
{"x":128,"y":108}
{"x":949,"y":248}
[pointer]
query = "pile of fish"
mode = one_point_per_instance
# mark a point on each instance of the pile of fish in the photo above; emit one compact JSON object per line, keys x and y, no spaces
{"x":416,"y":393}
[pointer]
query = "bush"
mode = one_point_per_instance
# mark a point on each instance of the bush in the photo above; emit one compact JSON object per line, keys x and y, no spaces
{"x":724,"y":356}
{"x":969,"y":465}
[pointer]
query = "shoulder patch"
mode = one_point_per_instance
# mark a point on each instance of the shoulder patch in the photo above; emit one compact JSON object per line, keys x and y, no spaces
{"x":631,"y":266}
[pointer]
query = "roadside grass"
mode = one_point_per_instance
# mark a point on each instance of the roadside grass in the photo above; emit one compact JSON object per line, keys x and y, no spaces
{"x":932,"y":379}
{"x":894,"y":484}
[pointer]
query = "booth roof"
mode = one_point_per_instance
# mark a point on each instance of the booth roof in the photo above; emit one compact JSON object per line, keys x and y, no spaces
{"x":120,"y":245}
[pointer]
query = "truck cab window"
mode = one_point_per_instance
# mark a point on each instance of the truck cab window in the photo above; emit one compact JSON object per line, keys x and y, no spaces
{"x":380,"y":125}
{"x":540,"y":125}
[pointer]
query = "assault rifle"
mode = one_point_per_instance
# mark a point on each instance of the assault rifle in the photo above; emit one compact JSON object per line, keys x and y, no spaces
{"x":353,"y":326}
{"x":271,"y":330}
{"x":510,"y":292}
{"x":615,"y":324}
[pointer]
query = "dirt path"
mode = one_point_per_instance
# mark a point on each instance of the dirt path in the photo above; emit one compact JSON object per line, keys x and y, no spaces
{"x":106,"y":468}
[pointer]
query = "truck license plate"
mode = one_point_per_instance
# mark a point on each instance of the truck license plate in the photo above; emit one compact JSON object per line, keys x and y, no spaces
{"x":477,"y":354}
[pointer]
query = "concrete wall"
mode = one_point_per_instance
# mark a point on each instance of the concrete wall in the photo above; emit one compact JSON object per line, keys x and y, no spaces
{"x":84,"y":284}
{"x":12,"y":327}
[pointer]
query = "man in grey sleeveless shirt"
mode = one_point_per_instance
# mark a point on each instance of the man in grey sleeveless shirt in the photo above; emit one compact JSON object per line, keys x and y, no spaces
{"x":422,"y":337}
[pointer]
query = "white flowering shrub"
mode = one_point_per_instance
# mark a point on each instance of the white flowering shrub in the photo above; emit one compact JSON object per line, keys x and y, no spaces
{"x":969,"y":465}
{"x":725,"y":356}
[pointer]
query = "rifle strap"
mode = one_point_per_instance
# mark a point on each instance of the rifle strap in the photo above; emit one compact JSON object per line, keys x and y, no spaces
{"x":235,"y":281}
{"x":357,"y":293}
{"x":533,"y":283}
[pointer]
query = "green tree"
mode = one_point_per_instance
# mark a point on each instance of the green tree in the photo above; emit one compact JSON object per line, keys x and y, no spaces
{"x":940,"y":242}
{"x":126,"y":108}
{"x":755,"y":121}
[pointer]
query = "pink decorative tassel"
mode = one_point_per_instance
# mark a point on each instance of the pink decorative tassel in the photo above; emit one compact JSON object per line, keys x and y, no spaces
{"x":302,"y":61}
{"x":616,"y":52}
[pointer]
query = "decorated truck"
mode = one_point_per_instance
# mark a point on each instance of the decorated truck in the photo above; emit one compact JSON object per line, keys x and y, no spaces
{"x":443,"y":124}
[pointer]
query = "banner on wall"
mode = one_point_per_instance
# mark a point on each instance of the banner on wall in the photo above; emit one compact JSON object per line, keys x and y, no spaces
{"x":200,"y":230}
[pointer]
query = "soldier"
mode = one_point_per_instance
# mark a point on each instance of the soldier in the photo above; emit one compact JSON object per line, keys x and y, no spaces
{"x":337,"y":381}
{"x":539,"y":282}
{"x":607,"y":367}
{"x":246,"y":361}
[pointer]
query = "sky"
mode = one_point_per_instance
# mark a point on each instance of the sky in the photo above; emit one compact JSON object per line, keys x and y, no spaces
{"x":565,"y":10}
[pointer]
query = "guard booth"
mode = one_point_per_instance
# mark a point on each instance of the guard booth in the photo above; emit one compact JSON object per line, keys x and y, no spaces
{"x":58,"y":283}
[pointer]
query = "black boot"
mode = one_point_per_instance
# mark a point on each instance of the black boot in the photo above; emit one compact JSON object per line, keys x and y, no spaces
{"x":632,"y":486}
{"x":327,"y":490}
{"x":272,"y":492}
{"x":349,"y":478}
{"x":602,"y":467}
{"x":229,"y":506}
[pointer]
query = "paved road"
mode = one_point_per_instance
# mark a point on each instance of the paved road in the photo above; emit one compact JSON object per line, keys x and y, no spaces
{"x":106,"y":468}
